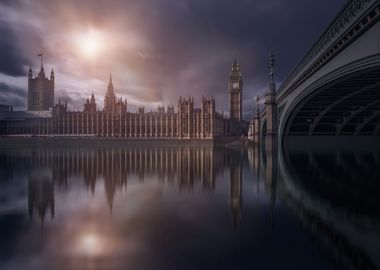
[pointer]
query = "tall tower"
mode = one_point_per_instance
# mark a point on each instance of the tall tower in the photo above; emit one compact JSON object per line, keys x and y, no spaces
{"x":110,"y":98}
{"x":40,"y":90}
{"x":270,"y":102}
{"x":235,"y":88}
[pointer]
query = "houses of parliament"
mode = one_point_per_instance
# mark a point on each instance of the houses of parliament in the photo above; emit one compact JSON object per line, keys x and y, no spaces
{"x":44,"y":118}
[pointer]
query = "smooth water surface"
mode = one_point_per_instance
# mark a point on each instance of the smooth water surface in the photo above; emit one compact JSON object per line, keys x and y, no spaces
{"x":181,"y":207}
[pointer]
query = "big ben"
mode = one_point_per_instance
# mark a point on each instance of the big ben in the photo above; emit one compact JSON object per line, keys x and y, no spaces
{"x":235,"y":88}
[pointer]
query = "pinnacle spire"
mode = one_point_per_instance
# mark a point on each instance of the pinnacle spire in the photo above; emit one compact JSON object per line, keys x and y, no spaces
{"x":30,"y":73}
{"x":271,"y":73}
{"x":52,"y":74}
{"x":235,"y":65}
{"x":271,"y":67}
{"x":257,"y":104}
{"x":110,"y":85}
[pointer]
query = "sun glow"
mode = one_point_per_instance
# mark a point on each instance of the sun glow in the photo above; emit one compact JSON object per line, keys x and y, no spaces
{"x":90,"y":244}
{"x":90,"y":44}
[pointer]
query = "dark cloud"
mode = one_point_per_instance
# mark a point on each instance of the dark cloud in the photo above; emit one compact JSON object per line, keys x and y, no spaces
{"x":195,"y":33}
{"x":11,"y":95}
{"x":10,"y":2}
{"x":12,"y":60}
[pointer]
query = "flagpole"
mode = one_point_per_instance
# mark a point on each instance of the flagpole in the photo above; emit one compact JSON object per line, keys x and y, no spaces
{"x":41,"y":55}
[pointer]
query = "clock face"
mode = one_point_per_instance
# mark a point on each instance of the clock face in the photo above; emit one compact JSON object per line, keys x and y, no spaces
{"x":235,"y":85}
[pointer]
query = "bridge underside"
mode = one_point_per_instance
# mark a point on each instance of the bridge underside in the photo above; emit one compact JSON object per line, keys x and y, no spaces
{"x":349,"y":107}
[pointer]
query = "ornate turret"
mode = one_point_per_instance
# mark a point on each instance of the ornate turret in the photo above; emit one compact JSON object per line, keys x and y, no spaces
{"x":90,"y":105}
{"x":52,"y":75}
{"x":30,"y":73}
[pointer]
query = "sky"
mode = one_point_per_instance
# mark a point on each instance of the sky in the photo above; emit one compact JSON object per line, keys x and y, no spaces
{"x":156,"y":50}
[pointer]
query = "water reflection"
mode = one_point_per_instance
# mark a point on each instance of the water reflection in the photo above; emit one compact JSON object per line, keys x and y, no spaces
{"x":235,"y":200}
{"x":112,"y":207}
{"x":40,"y":194}
{"x":334,"y":195}
{"x":178,"y":166}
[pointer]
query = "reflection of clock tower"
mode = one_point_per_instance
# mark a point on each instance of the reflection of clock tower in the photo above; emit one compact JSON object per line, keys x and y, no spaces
{"x":235,"y":87}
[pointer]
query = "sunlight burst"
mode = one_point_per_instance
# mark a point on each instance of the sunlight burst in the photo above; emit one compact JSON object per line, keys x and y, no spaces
{"x":90,"y":44}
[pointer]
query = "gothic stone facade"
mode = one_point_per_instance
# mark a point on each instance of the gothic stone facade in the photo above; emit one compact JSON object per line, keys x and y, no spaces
{"x":40,"y":91}
{"x":115,"y":121}
{"x":187,"y":122}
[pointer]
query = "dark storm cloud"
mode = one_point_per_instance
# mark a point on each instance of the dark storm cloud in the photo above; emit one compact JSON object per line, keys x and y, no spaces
{"x":11,"y":95}
{"x":195,"y":33}
{"x":12,"y":61}
{"x":252,"y":28}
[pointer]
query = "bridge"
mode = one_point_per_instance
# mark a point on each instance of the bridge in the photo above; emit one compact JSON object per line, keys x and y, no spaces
{"x":334,"y":91}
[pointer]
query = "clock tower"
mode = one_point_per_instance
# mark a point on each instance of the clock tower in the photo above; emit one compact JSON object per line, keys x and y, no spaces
{"x":235,"y":87}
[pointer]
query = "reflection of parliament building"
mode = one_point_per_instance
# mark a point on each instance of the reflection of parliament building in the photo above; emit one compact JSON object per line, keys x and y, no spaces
{"x":187,"y":122}
{"x":187,"y":168}
{"x":40,"y":194}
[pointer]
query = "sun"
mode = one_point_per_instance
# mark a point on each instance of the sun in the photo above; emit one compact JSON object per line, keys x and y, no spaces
{"x":90,"y":44}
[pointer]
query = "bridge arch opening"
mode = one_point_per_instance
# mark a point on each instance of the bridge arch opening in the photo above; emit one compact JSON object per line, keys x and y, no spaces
{"x":347,"y":106}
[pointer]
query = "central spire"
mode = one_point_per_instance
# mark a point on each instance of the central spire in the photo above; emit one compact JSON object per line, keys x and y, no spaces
{"x":110,"y":98}
{"x":110,"y":85}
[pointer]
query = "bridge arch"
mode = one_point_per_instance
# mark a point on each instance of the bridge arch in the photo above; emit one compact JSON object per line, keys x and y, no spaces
{"x":346,"y":101}
{"x":334,"y":89}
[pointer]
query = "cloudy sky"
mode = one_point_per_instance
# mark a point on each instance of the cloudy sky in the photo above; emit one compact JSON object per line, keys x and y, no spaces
{"x":156,"y":50}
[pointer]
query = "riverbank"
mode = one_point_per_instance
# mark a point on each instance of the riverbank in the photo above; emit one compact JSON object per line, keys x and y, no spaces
{"x":90,"y":141}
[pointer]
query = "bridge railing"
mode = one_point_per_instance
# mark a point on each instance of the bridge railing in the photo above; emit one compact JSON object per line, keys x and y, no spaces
{"x":345,"y":19}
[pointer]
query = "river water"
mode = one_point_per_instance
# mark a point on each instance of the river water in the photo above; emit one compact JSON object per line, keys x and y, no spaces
{"x":181,"y":207}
